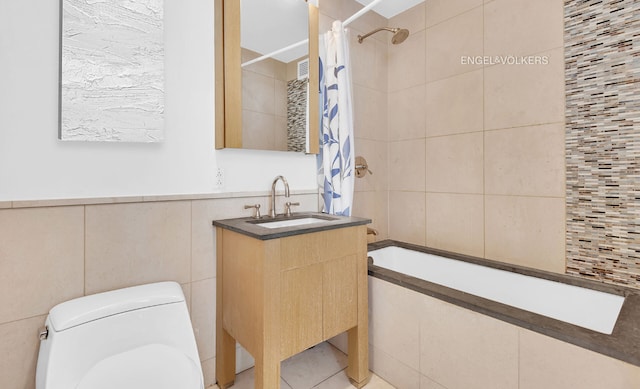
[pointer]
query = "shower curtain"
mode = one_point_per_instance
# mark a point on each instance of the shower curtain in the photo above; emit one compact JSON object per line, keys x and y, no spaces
{"x":336,"y":156}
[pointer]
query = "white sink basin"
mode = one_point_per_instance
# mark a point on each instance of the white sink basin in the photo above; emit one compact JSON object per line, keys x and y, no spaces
{"x":293,"y":222}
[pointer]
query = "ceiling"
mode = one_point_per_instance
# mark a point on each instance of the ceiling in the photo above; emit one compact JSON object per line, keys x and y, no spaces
{"x":390,"y":8}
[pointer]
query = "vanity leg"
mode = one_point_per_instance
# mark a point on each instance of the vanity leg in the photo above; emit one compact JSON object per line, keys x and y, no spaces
{"x":358,"y":369}
{"x":225,"y":358}
{"x":267,"y":373}
{"x":225,"y":343}
{"x":358,"y":336}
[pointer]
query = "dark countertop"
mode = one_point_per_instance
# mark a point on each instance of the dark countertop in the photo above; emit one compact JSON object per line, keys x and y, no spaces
{"x":622,"y":344}
{"x":251,"y":227}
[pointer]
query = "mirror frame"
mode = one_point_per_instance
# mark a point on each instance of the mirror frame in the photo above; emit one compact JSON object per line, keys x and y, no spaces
{"x":228,"y":76}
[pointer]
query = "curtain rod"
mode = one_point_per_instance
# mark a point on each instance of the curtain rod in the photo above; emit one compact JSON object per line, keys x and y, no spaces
{"x":350,"y":20}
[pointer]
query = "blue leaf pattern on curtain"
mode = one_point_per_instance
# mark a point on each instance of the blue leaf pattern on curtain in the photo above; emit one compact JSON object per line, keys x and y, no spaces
{"x":336,"y":157}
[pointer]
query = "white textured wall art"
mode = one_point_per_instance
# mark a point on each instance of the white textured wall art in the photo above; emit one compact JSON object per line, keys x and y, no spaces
{"x":112,"y":65}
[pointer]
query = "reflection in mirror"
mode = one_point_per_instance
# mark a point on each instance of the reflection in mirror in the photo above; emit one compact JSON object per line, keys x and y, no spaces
{"x":264,"y":75}
{"x":274,"y":89}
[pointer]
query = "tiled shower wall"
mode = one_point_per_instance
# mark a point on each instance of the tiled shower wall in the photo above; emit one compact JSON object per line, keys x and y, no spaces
{"x":369,"y":76}
{"x":603,"y":140}
{"x":50,"y":253}
{"x":476,"y":151}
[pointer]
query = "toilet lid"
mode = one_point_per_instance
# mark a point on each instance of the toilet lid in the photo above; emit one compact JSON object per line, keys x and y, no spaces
{"x":154,"y":366}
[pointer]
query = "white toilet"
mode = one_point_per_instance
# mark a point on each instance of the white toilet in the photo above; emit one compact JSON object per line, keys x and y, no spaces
{"x":133,"y":338}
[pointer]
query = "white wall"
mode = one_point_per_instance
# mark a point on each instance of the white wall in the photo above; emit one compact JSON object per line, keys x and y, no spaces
{"x":34,"y":164}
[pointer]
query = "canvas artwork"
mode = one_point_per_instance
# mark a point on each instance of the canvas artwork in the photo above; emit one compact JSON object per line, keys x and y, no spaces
{"x":112,"y":71}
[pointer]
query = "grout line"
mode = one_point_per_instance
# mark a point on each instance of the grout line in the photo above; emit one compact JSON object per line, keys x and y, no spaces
{"x":454,"y":16}
{"x":191,"y":244}
{"x":24,"y":318}
{"x":327,"y":379}
{"x":84,"y":250}
{"x":484,"y":149}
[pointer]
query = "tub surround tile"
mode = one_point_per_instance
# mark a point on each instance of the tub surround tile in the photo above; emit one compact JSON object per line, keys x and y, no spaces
{"x":407,"y":216}
{"x":364,"y":205}
{"x":522,"y":27}
{"x":393,"y":311}
{"x":455,"y":222}
{"x":412,"y":19}
{"x":370,"y":58}
{"x":408,"y":157}
{"x":136,"y":244}
{"x":42,"y":259}
{"x":563,"y":366}
{"x":382,"y":214}
{"x":427,"y":383}
{"x":448,"y":41}
{"x":462,"y":349}
{"x":392,"y":370}
{"x":369,"y":113}
{"x":19,"y":345}
{"x":364,"y":23}
{"x":525,"y":95}
{"x":527,"y":231}
{"x":455,"y":105}
{"x":369,"y":150}
{"x":438,"y":11}
{"x":454,"y":163}
{"x":406,"y":63}
{"x":623,"y":344}
{"x":526,"y":161}
{"x":406,"y":113}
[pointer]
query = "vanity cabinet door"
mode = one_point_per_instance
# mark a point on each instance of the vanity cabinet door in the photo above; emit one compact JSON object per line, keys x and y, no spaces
{"x":300,"y":309}
{"x":340,"y":295}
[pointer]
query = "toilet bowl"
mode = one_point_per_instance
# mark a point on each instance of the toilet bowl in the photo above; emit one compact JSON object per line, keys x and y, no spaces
{"x":133,"y":338}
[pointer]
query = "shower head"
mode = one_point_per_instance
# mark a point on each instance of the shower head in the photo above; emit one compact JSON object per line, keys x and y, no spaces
{"x":399,"y":34}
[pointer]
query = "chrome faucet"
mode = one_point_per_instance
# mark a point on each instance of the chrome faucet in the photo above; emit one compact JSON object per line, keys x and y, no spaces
{"x":272,"y":211}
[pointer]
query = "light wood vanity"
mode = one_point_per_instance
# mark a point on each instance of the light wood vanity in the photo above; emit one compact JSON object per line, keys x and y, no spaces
{"x":283,"y":290}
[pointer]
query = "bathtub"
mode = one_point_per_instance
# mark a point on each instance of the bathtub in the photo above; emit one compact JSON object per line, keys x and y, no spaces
{"x":583,"y":307}
{"x":510,"y":310}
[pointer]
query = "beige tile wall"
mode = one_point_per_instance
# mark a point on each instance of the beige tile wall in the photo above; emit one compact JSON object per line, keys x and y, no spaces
{"x":264,"y":103}
{"x":51,"y":254}
{"x":369,"y":75}
{"x":479,"y":149}
{"x":459,"y":348}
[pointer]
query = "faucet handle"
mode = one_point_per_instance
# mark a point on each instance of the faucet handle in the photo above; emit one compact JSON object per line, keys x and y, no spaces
{"x":287,"y":207}
{"x":256,"y":214}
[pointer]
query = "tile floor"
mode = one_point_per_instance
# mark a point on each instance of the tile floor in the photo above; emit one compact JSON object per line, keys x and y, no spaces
{"x":320,"y":367}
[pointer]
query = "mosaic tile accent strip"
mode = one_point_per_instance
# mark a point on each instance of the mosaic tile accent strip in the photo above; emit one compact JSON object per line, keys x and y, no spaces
{"x":602,"y":79}
{"x":297,"y":115}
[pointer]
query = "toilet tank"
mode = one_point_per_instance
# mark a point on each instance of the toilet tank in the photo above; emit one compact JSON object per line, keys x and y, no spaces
{"x":138,"y":337}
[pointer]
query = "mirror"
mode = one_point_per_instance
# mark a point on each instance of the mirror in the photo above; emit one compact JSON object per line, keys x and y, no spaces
{"x":264,"y":77}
